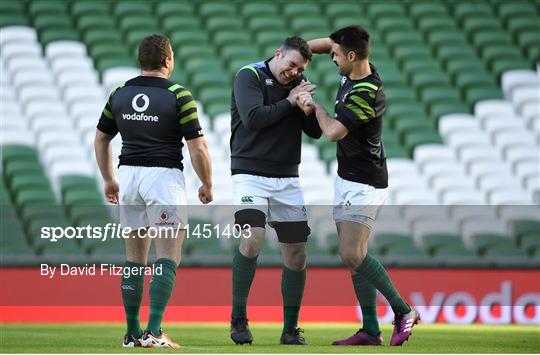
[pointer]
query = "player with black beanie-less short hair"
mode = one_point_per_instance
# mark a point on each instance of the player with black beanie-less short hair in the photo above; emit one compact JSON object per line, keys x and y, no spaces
{"x":266,"y":140}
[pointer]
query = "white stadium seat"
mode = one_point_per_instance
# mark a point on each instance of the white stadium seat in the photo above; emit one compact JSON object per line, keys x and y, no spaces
{"x":17,"y":34}
{"x":68,"y":49}
{"x":516,"y":78}
{"x":456,"y":123}
{"x":433,"y":152}
{"x":114,"y":77}
{"x":487,"y":108}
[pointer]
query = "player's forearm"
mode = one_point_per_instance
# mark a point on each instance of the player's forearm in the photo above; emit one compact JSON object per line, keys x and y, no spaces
{"x":329,"y":126}
{"x":320,"y":45}
{"x":103,"y":151}
{"x":200,"y":159}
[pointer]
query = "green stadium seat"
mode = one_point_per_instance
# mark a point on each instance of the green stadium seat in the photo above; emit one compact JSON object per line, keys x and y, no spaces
{"x":29,"y":197}
{"x":82,"y":215}
{"x":501,"y":250}
{"x":399,"y":96}
{"x":19,"y":168}
{"x":202,"y":80}
{"x":13,"y":20}
{"x":398,"y":38}
{"x":413,"y":139}
{"x":386,"y":25}
{"x":292,"y":9}
{"x":483,"y":242}
{"x":196,"y":65}
{"x":53,"y":34}
{"x":222,"y":23}
{"x":403,"y":109}
{"x":439,"y":109}
{"x":439,"y":39}
{"x":386,"y":9}
{"x":382,"y":243}
{"x":433,"y":242}
{"x":395,"y":151}
{"x":408,"y":125}
{"x":26,"y":182}
{"x":243,"y":53}
{"x":193,"y":51}
{"x":49,"y":21}
{"x":505,"y":64}
{"x":97,"y":36}
{"x":107,"y":63}
{"x":230,"y":38}
{"x":138,"y":22}
{"x":190,"y":24}
{"x":530,"y":243}
{"x":342,"y":21}
{"x":463,"y":10}
{"x":314,"y":23}
{"x":76,"y":182}
{"x":452,"y":251}
{"x":190,"y":37}
{"x":335,"y":10}
{"x":36,"y":8}
{"x":473,"y":25}
{"x":33,"y":212}
{"x":518,"y":25}
{"x":219,"y":8}
{"x":508,"y":11}
{"x":90,"y":7}
{"x":127,"y":8}
{"x":165,"y":9}
{"x":524,"y":227}
{"x":108,"y":49}
{"x":456,"y":67}
{"x":423,"y":10}
{"x":430,"y":24}
{"x":82,"y":197}
{"x":96,"y":22}
{"x":250,"y":10}
{"x":8,"y":8}
{"x":18,"y":153}
{"x":490,"y":38}
{"x":263,"y":24}
{"x":475,"y":94}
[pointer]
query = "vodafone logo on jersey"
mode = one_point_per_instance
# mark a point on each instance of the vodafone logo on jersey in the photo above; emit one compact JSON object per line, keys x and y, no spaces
{"x":146,"y":102}
{"x":140,"y":104}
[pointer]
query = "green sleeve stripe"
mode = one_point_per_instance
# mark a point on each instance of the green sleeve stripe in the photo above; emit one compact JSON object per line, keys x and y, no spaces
{"x":369,"y":85}
{"x":363,"y":104}
{"x":182,"y":94}
{"x":114,"y":90}
{"x":174,"y":87}
{"x":250,"y":68}
{"x":187,"y":106}
{"x":361,"y":115}
{"x":190,"y":117}
{"x":369,"y":92}
{"x":108,"y":113}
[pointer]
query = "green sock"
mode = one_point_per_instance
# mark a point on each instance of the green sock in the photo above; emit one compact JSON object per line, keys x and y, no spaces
{"x":132,"y":290}
{"x":243,"y":272}
{"x":292,"y":290}
{"x":367,"y":297}
{"x":375,"y":273}
{"x":161,"y":287}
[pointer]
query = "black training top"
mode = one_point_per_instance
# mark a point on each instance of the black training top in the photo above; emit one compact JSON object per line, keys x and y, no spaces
{"x":152,"y":115}
{"x":266,"y":131}
{"x":360,"y":105}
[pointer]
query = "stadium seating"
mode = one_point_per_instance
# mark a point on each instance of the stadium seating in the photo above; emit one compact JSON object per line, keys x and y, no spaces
{"x":461,"y":126}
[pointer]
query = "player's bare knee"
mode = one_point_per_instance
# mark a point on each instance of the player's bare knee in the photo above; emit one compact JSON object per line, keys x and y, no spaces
{"x":295,"y":258}
{"x":351,"y":258}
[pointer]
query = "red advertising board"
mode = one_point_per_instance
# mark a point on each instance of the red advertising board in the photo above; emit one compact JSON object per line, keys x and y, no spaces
{"x":204,"y":295}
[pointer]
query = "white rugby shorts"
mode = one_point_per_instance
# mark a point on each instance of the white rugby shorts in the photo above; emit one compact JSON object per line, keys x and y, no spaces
{"x":357,"y":202}
{"x":280,"y":199}
{"x":152,"y":197}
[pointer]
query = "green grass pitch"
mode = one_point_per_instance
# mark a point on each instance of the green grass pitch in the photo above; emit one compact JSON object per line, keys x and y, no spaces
{"x":214,"y":338}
